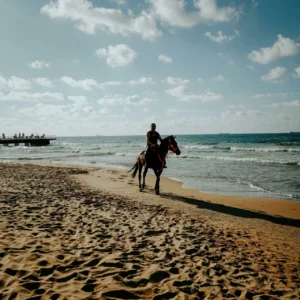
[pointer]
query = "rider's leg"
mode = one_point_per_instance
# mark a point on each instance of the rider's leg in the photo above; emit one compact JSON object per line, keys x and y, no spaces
{"x":148,"y":155}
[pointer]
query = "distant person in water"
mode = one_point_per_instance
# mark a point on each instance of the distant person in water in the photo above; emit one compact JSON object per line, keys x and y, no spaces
{"x":152,"y":138}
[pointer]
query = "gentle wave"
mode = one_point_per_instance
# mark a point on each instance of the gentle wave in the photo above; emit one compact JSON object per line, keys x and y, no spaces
{"x":267,"y":191}
{"x":241,"y":159}
{"x":265,"y":149}
{"x":204,"y":148}
{"x":47,"y":157}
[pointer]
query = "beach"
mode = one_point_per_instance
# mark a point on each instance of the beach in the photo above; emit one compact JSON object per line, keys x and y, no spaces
{"x":88,"y":233}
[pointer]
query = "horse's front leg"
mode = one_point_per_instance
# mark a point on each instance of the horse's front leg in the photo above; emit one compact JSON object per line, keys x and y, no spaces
{"x":156,"y":188}
{"x":144,"y":177}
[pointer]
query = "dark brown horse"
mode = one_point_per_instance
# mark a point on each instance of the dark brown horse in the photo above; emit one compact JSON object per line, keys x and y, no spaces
{"x":156,"y":160}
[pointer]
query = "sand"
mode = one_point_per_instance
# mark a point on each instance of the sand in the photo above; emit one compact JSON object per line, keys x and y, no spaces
{"x":83,"y":233}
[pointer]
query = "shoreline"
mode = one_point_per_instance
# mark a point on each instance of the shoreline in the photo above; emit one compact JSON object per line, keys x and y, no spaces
{"x":273,"y":207}
{"x":261,"y":193}
{"x":116,"y":179}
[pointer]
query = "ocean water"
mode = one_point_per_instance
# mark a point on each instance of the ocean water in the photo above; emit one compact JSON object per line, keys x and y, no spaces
{"x":253,"y":165}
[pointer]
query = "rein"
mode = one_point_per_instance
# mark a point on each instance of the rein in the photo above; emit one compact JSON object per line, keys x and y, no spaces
{"x":170,"y":147}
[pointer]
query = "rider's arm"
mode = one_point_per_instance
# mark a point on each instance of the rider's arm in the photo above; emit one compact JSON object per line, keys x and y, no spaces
{"x":159,"y":137}
{"x":148,"y":139}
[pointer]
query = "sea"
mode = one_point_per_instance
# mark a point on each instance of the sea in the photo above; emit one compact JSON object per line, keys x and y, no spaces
{"x":250,"y":165}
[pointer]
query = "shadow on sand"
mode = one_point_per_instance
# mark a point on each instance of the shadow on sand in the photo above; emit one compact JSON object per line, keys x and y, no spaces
{"x":238,"y":212}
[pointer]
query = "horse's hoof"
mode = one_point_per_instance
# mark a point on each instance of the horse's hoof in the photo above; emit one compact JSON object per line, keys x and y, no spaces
{"x":157,"y":192}
{"x":141,"y":189}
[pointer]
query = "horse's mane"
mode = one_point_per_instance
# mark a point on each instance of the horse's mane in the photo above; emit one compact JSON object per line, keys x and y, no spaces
{"x":165,"y":141}
{"x":167,"y":138}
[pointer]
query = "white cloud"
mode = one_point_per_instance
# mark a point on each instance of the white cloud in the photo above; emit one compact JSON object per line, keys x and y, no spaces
{"x":90,"y":19}
{"x":32,"y":97}
{"x":178,"y":92}
{"x":268,"y":95}
{"x":172,"y":12}
{"x":209,"y":12}
{"x":219,"y":78}
{"x":165,"y":58}
{"x":175,"y":111}
{"x":43,"y":111}
{"x":17,"y":83}
{"x":80,"y":105}
{"x":87,"y":109}
{"x":236,"y":106}
{"x":142,"y":80}
{"x":255,"y":3}
{"x":87,"y":84}
{"x":78,"y":100}
{"x":200,"y":79}
{"x":119,"y":2}
{"x":182,"y":93}
{"x":104,"y":111}
{"x":177,"y":81}
{"x":220,"y":38}
{"x":295,"y":103}
{"x":109,"y":83}
{"x":283,"y":47}
{"x":274,"y":75}
{"x":43,"y":82}
{"x":124,"y":100}
{"x":249,"y":112}
{"x":14,"y":83}
{"x":117,"y":56}
{"x":297,"y":73}
{"x":39,"y":64}
{"x":229,"y":114}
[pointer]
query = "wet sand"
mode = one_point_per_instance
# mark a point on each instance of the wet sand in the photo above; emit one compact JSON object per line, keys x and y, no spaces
{"x":86,"y":233}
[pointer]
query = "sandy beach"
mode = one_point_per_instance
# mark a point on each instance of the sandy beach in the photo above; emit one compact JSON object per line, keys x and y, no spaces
{"x":88,"y":233}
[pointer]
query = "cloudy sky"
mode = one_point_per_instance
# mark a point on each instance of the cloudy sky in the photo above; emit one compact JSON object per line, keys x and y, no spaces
{"x":112,"y":67}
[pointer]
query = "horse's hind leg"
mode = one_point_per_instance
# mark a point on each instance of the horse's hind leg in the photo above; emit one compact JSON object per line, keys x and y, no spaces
{"x":144,"y":177}
{"x":140,"y":176}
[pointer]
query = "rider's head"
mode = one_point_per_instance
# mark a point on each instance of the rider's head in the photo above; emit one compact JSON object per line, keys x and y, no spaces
{"x":153,"y":126}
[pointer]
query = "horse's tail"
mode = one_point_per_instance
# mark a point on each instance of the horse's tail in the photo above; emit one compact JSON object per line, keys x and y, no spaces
{"x":135,"y":169}
{"x":138,"y":163}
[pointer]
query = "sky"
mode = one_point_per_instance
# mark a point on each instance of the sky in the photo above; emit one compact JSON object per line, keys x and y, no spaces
{"x":112,"y":67}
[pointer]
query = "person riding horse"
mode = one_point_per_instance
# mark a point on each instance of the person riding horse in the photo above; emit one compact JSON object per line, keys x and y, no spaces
{"x":157,"y":159}
{"x":152,"y":137}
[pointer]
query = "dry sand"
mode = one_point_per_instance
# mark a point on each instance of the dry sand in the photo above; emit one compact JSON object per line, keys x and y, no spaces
{"x":82,"y":233}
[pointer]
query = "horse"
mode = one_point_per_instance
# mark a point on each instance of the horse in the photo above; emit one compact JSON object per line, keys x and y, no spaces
{"x":155,"y":160}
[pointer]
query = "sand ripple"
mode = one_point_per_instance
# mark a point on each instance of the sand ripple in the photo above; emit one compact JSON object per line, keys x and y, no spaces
{"x":60,"y":240}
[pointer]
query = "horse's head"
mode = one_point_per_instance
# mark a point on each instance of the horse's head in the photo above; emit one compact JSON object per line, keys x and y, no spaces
{"x":173,"y":145}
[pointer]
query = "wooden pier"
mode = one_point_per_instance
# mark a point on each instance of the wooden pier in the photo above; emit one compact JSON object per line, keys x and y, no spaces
{"x":40,"y":141}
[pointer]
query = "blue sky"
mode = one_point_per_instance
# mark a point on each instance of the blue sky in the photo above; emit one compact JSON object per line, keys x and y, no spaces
{"x":112,"y":67}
